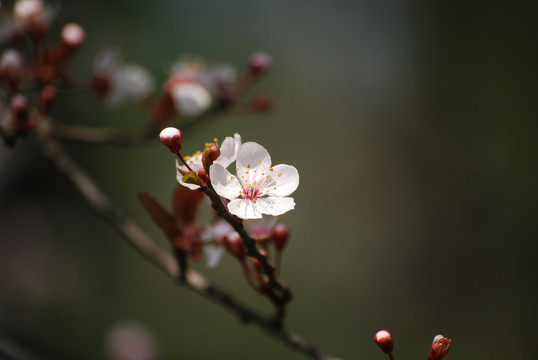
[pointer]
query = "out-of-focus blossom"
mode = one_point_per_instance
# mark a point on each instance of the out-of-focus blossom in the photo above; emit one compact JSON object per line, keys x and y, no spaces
{"x":214,"y":237}
{"x":33,"y":15}
{"x":117,"y":81}
{"x":260,"y":229}
{"x":258,"y":188}
{"x":260,"y":62}
{"x":182,"y":230}
{"x":194,"y":85}
{"x":73,"y":35}
{"x":11,"y":65}
{"x":131,"y":340}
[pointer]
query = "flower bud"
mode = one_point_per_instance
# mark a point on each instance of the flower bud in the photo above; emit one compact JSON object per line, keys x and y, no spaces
{"x":48,"y":95}
{"x":28,"y":13}
{"x":384,"y":340}
{"x":256,"y":262}
{"x":234,"y":245}
{"x":209,"y":155}
{"x":262,"y":103}
{"x":11,"y":65}
{"x":440,"y":348}
{"x":73,"y":35}
{"x":260,"y":62}
{"x":202,"y":175}
{"x":280,"y":235}
{"x":171,"y":137}
{"x":19,"y":105}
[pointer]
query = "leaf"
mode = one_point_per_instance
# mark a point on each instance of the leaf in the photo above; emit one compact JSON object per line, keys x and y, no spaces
{"x":162,"y":217}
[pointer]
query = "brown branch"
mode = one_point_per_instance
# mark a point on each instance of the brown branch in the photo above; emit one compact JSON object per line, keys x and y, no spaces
{"x":278,"y":292}
{"x":143,"y":243}
{"x":101,"y":136}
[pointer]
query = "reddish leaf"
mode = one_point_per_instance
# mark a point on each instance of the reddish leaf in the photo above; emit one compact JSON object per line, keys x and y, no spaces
{"x":185,"y":204}
{"x":160,"y":215}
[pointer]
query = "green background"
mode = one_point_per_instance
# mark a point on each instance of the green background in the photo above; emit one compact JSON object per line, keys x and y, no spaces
{"x":413,"y":127}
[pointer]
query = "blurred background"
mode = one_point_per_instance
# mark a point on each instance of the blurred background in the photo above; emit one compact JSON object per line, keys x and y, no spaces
{"x":413,"y":127}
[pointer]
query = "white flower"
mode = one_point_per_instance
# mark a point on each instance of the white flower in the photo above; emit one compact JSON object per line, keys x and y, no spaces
{"x":190,"y":98}
{"x":126,"y":81}
{"x":131,"y":340}
{"x":213,"y":236}
{"x":193,"y":84}
{"x":27,"y":12}
{"x":228,"y":154}
{"x":258,"y":188}
{"x":33,"y":14}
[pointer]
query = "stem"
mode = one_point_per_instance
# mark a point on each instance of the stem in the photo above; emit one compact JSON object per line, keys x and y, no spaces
{"x":144,"y":244}
{"x":277,"y":292}
{"x":184,"y":162}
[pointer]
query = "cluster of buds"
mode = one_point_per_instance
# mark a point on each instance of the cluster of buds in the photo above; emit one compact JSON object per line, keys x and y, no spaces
{"x":439,"y":348}
{"x":30,"y":71}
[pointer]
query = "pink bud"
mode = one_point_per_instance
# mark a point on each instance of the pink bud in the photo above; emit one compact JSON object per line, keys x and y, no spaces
{"x":19,"y":104}
{"x":73,"y":35}
{"x":280,"y":236}
{"x":209,"y":156}
{"x":260,"y":62}
{"x":440,"y":348}
{"x":171,"y":137}
{"x":384,"y":340}
{"x":234,"y":245}
{"x":11,"y":65}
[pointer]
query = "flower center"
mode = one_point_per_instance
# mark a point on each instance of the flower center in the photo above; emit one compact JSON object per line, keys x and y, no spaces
{"x":251,"y":191}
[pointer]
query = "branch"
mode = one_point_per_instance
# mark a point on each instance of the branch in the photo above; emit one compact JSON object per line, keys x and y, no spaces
{"x":92,"y":135}
{"x":278,"y":292}
{"x":143,"y":243}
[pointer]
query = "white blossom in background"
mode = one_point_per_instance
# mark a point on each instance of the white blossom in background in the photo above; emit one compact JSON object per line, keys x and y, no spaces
{"x":228,"y":154}
{"x":127,"y":81}
{"x":190,"y":98}
{"x":213,"y":236}
{"x":33,"y":14}
{"x":28,"y":12}
{"x":257,"y":188}
{"x":131,"y":340}
{"x":193,"y":84}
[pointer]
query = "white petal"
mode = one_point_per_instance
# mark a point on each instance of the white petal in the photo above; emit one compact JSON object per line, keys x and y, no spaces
{"x":253,"y":156}
{"x":213,"y":255}
{"x":195,"y":166}
{"x":224,"y":183}
{"x":136,"y":81}
{"x":191,"y":99}
{"x":245,"y":209}
{"x":228,"y":150}
{"x":285,"y":178}
{"x":274,"y":206}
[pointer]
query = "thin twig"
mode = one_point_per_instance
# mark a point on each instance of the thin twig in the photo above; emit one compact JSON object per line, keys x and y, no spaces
{"x":102,"y":136}
{"x":143,"y":243}
{"x":278,"y":292}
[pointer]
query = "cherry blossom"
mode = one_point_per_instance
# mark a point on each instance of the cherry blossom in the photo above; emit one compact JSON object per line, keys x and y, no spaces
{"x":258,"y":188}
{"x":118,"y":81}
